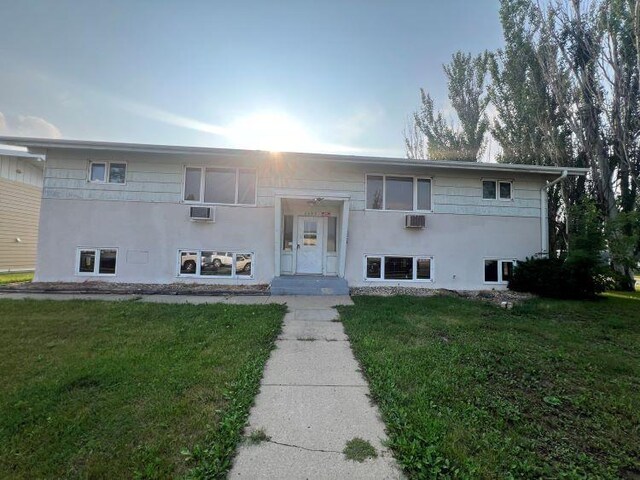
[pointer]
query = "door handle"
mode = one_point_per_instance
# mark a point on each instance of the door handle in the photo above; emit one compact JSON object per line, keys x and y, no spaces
{"x":298,"y":247}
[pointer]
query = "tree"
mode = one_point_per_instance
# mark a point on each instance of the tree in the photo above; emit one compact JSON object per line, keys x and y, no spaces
{"x":466,"y":77}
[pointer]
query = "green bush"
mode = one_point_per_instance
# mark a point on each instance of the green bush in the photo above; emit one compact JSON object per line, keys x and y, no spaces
{"x":583,"y":274}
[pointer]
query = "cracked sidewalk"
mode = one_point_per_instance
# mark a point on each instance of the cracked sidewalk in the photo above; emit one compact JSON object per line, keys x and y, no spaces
{"x":312,"y":401}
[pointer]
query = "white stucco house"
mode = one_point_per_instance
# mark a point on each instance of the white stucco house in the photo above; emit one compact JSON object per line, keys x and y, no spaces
{"x":162,"y":214}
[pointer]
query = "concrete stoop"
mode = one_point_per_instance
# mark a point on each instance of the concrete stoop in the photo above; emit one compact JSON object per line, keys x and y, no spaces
{"x":309,"y":285}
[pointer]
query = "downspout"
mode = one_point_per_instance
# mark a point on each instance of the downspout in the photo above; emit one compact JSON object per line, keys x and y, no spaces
{"x":544,"y":213}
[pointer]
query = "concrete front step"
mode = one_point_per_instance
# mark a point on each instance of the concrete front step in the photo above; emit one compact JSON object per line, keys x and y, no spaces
{"x":309,"y":285}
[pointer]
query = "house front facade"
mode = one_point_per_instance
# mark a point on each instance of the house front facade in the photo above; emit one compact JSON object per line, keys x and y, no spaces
{"x":160,"y":214}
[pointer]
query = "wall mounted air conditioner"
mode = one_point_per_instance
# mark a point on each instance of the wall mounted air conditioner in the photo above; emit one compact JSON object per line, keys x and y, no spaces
{"x":202,"y":214}
{"x":415,"y":221}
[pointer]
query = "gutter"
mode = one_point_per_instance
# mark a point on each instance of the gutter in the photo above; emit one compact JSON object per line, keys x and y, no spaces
{"x":544,"y":212}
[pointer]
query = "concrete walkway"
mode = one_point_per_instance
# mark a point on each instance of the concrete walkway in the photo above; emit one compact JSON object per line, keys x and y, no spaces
{"x":312,"y":401}
{"x":313,"y":398}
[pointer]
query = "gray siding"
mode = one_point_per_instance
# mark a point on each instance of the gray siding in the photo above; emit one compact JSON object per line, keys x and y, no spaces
{"x":158,"y":178}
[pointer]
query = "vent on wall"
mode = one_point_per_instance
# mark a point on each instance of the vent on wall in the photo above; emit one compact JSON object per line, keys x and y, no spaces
{"x":415,"y":221}
{"x":202,"y":214}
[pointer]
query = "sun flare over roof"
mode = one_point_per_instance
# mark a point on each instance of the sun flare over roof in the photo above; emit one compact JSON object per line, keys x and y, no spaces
{"x":272,"y":131}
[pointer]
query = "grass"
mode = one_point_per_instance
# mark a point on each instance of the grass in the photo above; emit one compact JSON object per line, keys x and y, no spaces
{"x":127,"y":389}
{"x":258,"y":436}
{"x":14,"y":277}
{"x":359,"y":450}
{"x":550,"y":389}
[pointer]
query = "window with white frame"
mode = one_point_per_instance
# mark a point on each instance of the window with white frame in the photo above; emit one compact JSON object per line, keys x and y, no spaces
{"x":215,"y":264}
{"x":398,"y":267}
{"x":498,"y":270}
{"x":497,"y":189}
{"x":220,"y":185}
{"x":108,"y":172}
{"x":398,"y":192}
{"x":96,"y":261}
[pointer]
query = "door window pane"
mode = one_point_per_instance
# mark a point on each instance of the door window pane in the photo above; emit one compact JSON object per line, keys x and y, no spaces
{"x":489,"y":189}
{"x":505,"y":190}
{"x":107,"y":262}
{"x":399,"y":193}
{"x":98,"y":171}
{"x":188,"y":263}
{"x":220,"y":185}
{"x":507,"y":271}
{"x":247,"y":187}
{"x":287,"y":235}
{"x":192,"y":184}
{"x":490,"y":270}
{"x":423,"y":268}
{"x":117,"y":172}
{"x":243,"y":264}
{"x":87,"y":261}
{"x":398,"y":268}
{"x":374,"y":192}
{"x":424,"y":194}
{"x":310,"y":233}
{"x":373,"y":267}
{"x":332,"y":227}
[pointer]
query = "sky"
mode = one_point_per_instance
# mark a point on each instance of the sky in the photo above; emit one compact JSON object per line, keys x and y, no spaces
{"x":288,"y":75}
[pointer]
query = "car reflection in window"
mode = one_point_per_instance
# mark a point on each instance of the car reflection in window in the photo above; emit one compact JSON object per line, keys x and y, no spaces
{"x":216,"y":263}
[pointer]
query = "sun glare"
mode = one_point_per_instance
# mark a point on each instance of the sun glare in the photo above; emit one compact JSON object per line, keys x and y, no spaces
{"x":275,"y":132}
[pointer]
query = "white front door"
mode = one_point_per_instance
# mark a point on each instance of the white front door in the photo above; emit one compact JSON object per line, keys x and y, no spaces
{"x":310,"y":245}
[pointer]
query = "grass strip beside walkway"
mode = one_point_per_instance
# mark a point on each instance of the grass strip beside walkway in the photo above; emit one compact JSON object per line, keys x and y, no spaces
{"x":124,"y":389}
{"x":468,"y":390}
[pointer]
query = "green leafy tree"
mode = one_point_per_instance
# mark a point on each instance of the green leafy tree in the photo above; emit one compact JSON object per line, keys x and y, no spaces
{"x":446,"y":140}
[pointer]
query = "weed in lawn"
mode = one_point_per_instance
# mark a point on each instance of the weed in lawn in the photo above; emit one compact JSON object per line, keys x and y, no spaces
{"x":359,"y":450}
{"x":258,"y":436}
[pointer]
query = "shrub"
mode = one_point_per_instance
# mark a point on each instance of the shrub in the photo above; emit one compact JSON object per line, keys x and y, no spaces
{"x":583,"y":274}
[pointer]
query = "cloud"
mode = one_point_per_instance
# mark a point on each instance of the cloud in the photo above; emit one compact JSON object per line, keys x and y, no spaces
{"x":28,"y":126}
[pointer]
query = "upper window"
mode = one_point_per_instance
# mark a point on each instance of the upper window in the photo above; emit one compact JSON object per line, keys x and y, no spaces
{"x":496,"y":189}
{"x":96,"y":261}
{"x":391,"y":192}
{"x":103,"y":172}
{"x":228,"y":186}
{"x":498,"y":271}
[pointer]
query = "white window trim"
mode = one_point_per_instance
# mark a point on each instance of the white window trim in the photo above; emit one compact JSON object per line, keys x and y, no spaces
{"x":96,"y":268}
{"x":414,"y":268}
{"x":384,"y":192}
{"x":499,"y":260}
{"x":107,"y":169}
{"x":233,"y":276}
{"x":201,"y":201}
{"x":497,"y":181}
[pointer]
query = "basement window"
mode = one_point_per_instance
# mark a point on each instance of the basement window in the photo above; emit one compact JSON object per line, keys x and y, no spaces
{"x":96,"y":261}
{"x":498,"y":271}
{"x":399,"y":268}
{"x":215,"y":264}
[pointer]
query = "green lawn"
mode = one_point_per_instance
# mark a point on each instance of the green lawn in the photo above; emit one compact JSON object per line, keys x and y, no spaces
{"x":124,"y":389}
{"x":13,"y":277}
{"x":550,"y":389}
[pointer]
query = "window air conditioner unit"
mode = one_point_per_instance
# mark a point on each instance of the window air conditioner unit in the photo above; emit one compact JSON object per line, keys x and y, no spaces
{"x":415,"y":221}
{"x":202,"y":214}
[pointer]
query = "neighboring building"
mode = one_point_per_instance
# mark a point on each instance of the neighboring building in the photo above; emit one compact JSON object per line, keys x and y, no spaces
{"x":124,"y":213}
{"x":20,"y":195}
